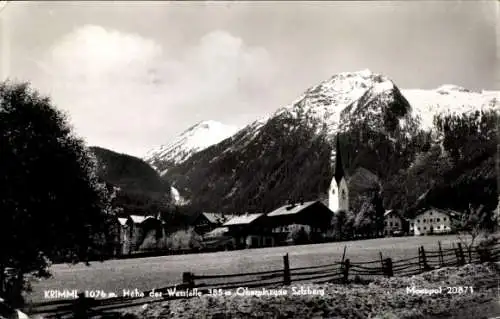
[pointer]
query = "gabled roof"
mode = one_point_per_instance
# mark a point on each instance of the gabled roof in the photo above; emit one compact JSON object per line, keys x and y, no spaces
{"x":290,"y":209}
{"x":450,"y":213}
{"x":242,"y":219}
{"x":138,"y":219}
{"x":122,"y":221}
{"x":389,"y":211}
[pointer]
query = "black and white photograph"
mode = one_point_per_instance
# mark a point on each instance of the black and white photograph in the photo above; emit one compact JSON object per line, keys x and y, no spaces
{"x":250,"y":159}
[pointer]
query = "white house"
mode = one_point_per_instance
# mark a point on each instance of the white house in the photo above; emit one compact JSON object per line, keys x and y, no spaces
{"x":431,"y":221}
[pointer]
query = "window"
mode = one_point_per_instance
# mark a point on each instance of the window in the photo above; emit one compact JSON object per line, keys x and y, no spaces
{"x":430,"y":220}
{"x":425,"y":228}
{"x":438,"y":227}
{"x":418,"y":228}
{"x":390,"y":223}
{"x":444,"y":218}
{"x":430,"y":213}
{"x":418,"y":220}
{"x":385,"y":223}
{"x":412,"y":225}
{"x":425,"y":220}
{"x":437,"y":219}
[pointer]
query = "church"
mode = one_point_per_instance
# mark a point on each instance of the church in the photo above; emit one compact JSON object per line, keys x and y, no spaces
{"x":338,"y":193}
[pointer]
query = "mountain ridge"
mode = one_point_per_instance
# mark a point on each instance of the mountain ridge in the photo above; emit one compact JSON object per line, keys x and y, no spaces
{"x":194,"y":139}
{"x":288,"y":155}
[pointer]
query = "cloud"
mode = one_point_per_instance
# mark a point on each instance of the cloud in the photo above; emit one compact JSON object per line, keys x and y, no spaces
{"x":129,"y":92}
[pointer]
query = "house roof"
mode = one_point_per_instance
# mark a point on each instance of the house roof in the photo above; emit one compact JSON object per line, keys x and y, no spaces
{"x":242,"y":219}
{"x":390,"y":211}
{"x":217,"y":218}
{"x":138,"y":219}
{"x":122,"y":221}
{"x":290,"y":209}
{"x":449,"y":213}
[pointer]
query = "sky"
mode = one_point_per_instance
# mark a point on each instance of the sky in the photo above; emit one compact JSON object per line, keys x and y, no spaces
{"x":133,"y":75}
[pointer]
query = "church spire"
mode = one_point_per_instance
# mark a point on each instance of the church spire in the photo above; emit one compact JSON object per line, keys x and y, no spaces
{"x":339,"y":167}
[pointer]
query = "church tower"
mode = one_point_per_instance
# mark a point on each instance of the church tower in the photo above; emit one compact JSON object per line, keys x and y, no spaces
{"x":338,"y":195}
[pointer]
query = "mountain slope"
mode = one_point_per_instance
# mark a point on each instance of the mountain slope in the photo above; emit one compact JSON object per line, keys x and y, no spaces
{"x":194,"y":139}
{"x":287,"y":156}
{"x":141,"y":190}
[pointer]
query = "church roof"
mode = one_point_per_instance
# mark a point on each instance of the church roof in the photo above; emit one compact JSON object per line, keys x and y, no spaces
{"x":339,"y":166}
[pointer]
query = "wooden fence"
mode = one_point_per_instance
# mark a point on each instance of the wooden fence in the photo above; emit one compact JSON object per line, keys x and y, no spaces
{"x":344,"y":271}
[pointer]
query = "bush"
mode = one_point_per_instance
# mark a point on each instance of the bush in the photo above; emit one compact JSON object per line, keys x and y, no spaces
{"x":485,"y":248}
{"x":184,"y":239}
{"x":150,"y":242}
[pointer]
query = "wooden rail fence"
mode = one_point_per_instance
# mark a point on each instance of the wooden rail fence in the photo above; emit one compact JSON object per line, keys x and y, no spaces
{"x":342,"y":272}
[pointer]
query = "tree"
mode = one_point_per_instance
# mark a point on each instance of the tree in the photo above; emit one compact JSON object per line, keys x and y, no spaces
{"x":343,"y":223}
{"x":473,"y":223}
{"x":299,"y":236}
{"x":52,"y":204}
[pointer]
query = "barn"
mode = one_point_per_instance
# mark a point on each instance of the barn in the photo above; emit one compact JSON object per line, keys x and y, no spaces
{"x":313,"y":217}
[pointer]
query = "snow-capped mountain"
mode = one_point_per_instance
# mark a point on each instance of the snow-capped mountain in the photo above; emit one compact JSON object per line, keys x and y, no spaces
{"x":278,"y":157}
{"x":448,"y":100}
{"x":195,"y":139}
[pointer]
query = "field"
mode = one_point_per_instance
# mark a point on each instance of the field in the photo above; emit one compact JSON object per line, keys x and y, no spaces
{"x":157,"y":272}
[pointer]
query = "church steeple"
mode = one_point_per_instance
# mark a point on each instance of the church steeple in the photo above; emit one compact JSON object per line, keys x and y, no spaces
{"x":339,"y":167}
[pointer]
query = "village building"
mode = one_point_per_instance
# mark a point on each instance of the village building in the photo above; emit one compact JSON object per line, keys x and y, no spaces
{"x":393,"y":223}
{"x":219,"y":239}
{"x":346,"y":190}
{"x":432,"y":221}
{"x":134,"y":230}
{"x":250,"y":231}
{"x":313,"y":217}
{"x":206,"y":222}
{"x":338,"y":194}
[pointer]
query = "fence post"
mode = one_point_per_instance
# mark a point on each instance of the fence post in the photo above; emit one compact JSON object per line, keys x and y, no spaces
{"x":286,"y":271}
{"x":419,"y":260}
{"x":388,"y":268}
{"x":441,"y":258}
{"x":461,"y":255}
{"x":81,"y":308}
{"x":188,"y":279}
{"x":346,"y":265}
{"x":343,"y":255}
{"x":426,"y":266}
